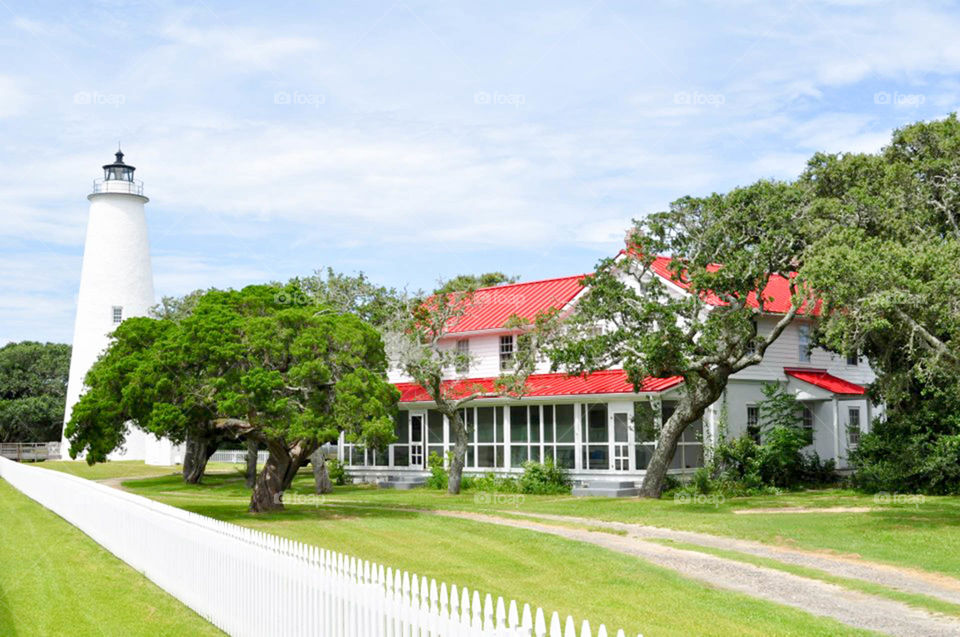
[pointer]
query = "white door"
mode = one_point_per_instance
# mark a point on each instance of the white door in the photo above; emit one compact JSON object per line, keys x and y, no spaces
{"x":417,"y":421}
{"x":620,"y":440}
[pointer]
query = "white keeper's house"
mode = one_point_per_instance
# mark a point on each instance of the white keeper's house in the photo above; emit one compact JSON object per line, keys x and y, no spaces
{"x":597,"y":426}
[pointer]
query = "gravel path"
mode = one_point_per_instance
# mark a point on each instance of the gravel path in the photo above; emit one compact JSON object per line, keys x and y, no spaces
{"x":853,"y":608}
{"x":902,"y":579}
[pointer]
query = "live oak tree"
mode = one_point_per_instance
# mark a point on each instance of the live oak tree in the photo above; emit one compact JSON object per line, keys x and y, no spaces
{"x":889,"y":271}
{"x":888,"y":268}
{"x":152,"y":377}
{"x":419,"y":346}
{"x":469,"y":282}
{"x":723,"y":247}
{"x":33,"y":387}
{"x":293,"y":377}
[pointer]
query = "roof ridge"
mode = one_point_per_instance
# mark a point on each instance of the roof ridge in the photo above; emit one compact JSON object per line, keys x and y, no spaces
{"x":519,"y":283}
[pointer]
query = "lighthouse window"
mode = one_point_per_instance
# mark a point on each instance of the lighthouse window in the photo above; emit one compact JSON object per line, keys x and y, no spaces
{"x":117,"y":315}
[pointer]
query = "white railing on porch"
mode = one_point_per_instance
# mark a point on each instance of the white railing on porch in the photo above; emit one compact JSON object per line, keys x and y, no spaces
{"x":237,"y":457}
{"x":250,"y":583}
{"x":26,"y":451}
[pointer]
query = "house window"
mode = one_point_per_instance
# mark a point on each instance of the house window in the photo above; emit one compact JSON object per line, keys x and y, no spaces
{"x":853,"y":359}
{"x":853,"y":426}
{"x":463,"y":356}
{"x":752,"y":343}
{"x":117,"y":314}
{"x":806,"y":422}
{"x":753,"y":422}
{"x":803,"y":344}
{"x":506,"y":352}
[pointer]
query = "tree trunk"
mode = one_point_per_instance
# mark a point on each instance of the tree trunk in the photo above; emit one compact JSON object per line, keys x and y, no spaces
{"x":278,"y":474}
{"x":251,"y":476}
{"x":198,"y":451}
{"x":459,"y":459}
{"x":321,"y":478}
{"x":693,"y":403}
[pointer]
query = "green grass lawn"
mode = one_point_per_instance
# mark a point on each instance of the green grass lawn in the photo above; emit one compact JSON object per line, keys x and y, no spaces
{"x":54,"y":580}
{"x":124,"y":468}
{"x":925,"y":536}
{"x":557,"y":574}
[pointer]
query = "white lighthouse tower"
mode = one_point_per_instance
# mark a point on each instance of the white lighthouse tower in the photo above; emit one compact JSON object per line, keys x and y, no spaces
{"x":116,"y":281}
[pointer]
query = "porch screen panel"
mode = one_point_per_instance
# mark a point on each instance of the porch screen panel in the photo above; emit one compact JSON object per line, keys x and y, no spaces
{"x":519,"y":453}
{"x":645,"y":432}
{"x":435,"y":433}
{"x":596,"y":435}
{"x":565,"y":451}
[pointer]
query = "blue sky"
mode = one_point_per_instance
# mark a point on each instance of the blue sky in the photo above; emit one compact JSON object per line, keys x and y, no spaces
{"x":414,"y":141}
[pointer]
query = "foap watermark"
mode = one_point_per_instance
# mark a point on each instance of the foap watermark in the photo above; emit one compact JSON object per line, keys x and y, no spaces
{"x":297,"y":98}
{"x":885,"y":498}
{"x":496,"y":98}
{"x":292,"y":298}
{"x":495,"y":498}
{"x":886,"y":98}
{"x":697,"y":98}
{"x":96,"y":98}
{"x":302,"y":499}
{"x":715,"y":499}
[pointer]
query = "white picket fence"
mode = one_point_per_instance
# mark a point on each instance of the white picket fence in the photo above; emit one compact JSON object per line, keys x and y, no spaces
{"x":250,"y":583}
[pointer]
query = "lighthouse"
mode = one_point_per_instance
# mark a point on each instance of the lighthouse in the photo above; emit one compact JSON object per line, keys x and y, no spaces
{"x":116,"y":281}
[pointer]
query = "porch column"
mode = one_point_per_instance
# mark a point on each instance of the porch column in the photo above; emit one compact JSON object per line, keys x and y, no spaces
{"x":836,"y":429}
{"x":446,"y":441}
{"x":577,"y":438}
{"x":340,"y":441}
{"x":869,"y":424}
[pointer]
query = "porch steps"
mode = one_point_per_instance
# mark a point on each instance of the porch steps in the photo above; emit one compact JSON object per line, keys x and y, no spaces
{"x":402,"y":483}
{"x":607,"y":488}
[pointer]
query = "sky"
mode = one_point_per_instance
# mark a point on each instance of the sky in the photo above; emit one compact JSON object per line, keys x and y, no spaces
{"x":414,"y":141}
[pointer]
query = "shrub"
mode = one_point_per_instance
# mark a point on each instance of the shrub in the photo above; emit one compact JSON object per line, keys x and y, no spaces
{"x":338,"y":475}
{"x":917,"y":448}
{"x":439,"y":478}
{"x":544,"y":479}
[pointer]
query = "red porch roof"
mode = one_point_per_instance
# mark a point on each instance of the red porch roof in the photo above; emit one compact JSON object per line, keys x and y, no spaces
{"x":612,"y":381}
{"x":824,"y":380}
{"x":491,"y":307}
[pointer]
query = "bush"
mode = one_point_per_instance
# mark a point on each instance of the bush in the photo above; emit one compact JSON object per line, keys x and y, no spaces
{"x":439,"y":478}
{"x":917,"y":448}
{"x":338,"y":475}
{"x":544,"y":479}
{"x":744,"y":467}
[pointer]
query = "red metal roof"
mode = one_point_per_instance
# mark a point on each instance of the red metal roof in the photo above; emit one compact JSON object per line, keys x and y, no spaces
{"x":612,"y":381}
{"x":822,"y":379}
{"x":776,"y":294}
{"x":491,"y":307}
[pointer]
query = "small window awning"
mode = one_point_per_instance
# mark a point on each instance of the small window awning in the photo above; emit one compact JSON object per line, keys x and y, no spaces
{"x":820,"y":378}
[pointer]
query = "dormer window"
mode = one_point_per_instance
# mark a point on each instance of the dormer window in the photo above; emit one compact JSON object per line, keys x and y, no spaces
{"x":117,"y":314}
{"x":506,"y":352}
{"x":853,"y":359}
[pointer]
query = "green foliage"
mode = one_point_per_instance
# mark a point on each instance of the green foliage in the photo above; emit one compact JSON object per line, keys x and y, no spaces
{"x":469,"y":282}
{"x":33,"y":387}
{"x":336,"y":471}
{"x":537,"y":478}
{"x":240,"y":363}
{"x":743,"y":467}
{"x":545,"y":478}
{"x":354,"y":294}
{"x":438,"y":474}
{"x":916,"y":449}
